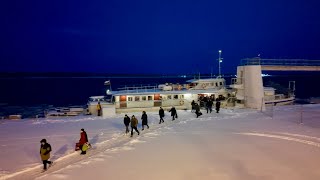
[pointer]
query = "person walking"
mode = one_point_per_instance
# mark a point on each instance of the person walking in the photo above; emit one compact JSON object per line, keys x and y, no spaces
{"x":83,"y":140}
{"x":99,"y":109}
{"x":193,"y":106}
{"x":144,"y":118}
{"x":205,"y":100}
{"x":45,"y":150}
{"x":209,"y":105}
{"x":134,"y":124}
{"x":218,"y":105}
{"x":197,"y":108}
{"x":161,"y":114}
{"x":126,"y":121}
{"x":173,"y":113}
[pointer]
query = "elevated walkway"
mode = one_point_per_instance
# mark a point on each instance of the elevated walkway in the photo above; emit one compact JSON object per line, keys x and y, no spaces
{"x":283,"y":64}
{"x":249,"y":84}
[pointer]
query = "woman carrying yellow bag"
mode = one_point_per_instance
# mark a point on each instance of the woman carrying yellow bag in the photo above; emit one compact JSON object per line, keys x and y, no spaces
{"x":85,"y":147}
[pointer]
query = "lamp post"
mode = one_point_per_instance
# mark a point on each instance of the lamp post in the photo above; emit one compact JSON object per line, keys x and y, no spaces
{"x":220,"y":61}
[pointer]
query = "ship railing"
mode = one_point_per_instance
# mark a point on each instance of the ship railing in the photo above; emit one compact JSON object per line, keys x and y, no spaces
{"x":276,"y":97}
{"x":175,"y":87}
{"x":269,"y":98}
{"x":136,"y":89}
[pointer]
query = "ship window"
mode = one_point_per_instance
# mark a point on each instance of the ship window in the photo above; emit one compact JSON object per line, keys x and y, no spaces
{"x":169,"y":97}
{"x":220,"y":83}
{"x":144,"y":98}
{"x":149,"y":98}
{"x":130,"y":98}
{"x":217,"y":84}
{"x":137,"y":98}
{"x":182,"y":97}
{"x":175,"y":96}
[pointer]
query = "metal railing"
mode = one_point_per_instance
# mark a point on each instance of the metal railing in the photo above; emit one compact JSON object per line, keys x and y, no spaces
{"x":280,"y":62}
{"x":137,"y":89}
{"x":307,"y":114}
{"x":175,"y":87}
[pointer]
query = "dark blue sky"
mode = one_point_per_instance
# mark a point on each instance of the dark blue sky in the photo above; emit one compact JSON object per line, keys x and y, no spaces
{"x":149,"y":36}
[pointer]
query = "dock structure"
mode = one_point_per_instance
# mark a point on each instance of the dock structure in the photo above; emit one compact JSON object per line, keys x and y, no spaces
{"x":249,"y":82}
{"x":283,"y":64}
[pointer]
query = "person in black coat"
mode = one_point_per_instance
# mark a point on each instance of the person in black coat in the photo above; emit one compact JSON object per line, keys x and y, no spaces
{"x":198,"y":112}
{"x":173,"y":113}
{"x":144,"y":120}
{"x":209,"y":105}
{"x":205,"y":100}
{"x":193,"y":106}
{"x":218,"y":105}
{"x":161,"y":114}
{"x":126,"y":121}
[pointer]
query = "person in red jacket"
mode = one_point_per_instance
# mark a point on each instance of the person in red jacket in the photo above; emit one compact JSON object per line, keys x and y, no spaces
{"x":83,"y":140}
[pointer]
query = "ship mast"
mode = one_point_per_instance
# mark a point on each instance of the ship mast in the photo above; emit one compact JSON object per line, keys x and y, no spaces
{"x":220,"y":61}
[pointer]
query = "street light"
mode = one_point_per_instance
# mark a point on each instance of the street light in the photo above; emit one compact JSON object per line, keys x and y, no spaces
{"x":220,"y":61}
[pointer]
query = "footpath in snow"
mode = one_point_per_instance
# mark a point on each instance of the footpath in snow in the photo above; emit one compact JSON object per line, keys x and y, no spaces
{"x":234,"y":144}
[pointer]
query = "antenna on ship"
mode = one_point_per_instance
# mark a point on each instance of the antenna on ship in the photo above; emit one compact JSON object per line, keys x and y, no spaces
{"x":220,"y":61}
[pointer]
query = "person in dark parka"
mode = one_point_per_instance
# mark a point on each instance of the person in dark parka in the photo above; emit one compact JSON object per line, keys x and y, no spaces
{"x":144,"y":120}
{"x":209,"y":105}
{"x":126,"y":121}
{"x":161,"y":114}
{"x":45,"y":150}
{"x":134,"y":125}
{"x":193,"y":106}
{"x":218,"y":105}
{"x":83,"y":140}
{"x":197,"y":108}
{"x":173,"y":113}
{"x":205,"y":100}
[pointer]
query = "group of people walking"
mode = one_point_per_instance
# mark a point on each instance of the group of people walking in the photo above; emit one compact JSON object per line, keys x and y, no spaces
{"x":83,"y":143}
{"x":133,"y":122}
{"x":208,"y":103}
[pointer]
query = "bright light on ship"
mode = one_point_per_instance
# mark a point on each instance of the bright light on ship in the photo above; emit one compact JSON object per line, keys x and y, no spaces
{"x":187,"y":96}
{"x":264,"y":75}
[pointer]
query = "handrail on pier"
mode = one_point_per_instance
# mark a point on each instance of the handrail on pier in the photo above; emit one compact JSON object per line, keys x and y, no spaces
{"x":280,"y":62}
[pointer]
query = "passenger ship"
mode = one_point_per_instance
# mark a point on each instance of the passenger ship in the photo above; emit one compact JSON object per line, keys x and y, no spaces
{"x":150,"y":98}
{"x":132,"y":99}
{"x":245,"y":91}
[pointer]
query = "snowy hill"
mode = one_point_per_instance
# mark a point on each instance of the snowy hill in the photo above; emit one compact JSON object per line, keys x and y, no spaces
{"x":234,"y":144}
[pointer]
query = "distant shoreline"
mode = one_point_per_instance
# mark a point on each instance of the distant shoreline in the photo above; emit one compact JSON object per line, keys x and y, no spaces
{"x":5,"y":75}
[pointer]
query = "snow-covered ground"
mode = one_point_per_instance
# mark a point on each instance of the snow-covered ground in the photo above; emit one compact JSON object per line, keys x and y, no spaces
{"x":234,"y":144}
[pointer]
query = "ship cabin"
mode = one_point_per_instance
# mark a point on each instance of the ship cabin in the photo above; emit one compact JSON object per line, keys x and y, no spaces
{"x":153,"y":100}
{"x":212,"y":83}
{"x":167,"y":95}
